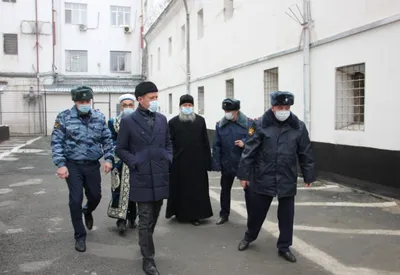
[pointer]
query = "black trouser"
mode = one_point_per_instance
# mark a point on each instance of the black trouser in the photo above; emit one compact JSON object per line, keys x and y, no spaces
{"x":257,"y":212}
{"x":225,"y":195}
{"x":83,"y":175}
{"x":148,"y":216}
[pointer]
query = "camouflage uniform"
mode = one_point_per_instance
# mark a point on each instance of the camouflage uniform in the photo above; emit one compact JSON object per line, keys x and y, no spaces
{"x":78,"y":141}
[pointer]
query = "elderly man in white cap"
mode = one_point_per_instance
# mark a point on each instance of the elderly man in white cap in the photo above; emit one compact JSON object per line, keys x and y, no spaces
{"x":120,"y":207}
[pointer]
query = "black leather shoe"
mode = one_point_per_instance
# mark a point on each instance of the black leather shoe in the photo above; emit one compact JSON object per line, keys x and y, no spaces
{"x":288,"y":256}
{"x":132,"y":224}
{"x":89,"y":221}
{"x":150,"y":268}
{"x":80,"y":245}
{"x":121,"y":226}
{"x":195,"y":222}
{"x":243,"y":245}
{"x":222,"y":220}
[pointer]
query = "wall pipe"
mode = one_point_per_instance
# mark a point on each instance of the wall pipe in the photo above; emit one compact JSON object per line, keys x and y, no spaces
{"x":188,"y":74}
{"x":306,"y":65}
{"x":38,"y":66}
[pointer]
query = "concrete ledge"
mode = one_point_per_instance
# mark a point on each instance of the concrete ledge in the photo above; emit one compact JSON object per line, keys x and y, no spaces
{"x":4,"y":133}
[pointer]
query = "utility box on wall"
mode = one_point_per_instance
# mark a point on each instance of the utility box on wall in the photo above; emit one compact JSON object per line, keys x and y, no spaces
{"x":4,"y":133}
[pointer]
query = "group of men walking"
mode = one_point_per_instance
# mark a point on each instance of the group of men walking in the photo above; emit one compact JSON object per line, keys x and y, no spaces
{"x":152,"y":159}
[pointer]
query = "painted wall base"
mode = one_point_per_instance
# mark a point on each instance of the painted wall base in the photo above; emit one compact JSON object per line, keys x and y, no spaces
{"x":368,"y":169}
{"x":4,"y":133}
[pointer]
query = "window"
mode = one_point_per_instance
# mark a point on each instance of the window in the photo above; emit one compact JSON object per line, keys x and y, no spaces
{"x":170,"y":46}
{"x":183,"y":37}
{"x":200,"y":24}
{"x":170,"y":103}
{"x":120,"y":61}
{"x":200,"y":99}
{"x":10,"y":45}
{"x":76,"y":61}
{"x":158,"y":58}
{"x":350,"y":97}
{"x":230,"y":88}
{"x":228,"y":9}
{"x":271,"y":80}
{"x":10,"y":1}
{"x":75,"y":14}
{"x":120,"y":16}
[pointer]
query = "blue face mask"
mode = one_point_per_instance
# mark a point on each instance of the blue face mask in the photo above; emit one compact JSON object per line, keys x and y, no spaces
{"x":187,"y":110}
{"x":128,"y":111}
{"x":153,"y":106}
{"x":84,"y":108}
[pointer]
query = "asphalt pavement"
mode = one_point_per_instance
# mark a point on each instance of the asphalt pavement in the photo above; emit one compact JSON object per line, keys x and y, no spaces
{"x":337,"y":230}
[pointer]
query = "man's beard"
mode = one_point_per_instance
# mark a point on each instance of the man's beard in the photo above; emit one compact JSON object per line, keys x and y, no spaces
{"x":187,"y":118}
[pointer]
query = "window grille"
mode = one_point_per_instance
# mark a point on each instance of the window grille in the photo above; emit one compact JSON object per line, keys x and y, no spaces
{"x":230,"y":88}
{"x":120,"y":61}
{"x":350,"y":97}
{"x":170,"y":103}
{"x":200,"y":24}
{"x":200,"y":99}
{"x":271,"y":84}
{"x":10,"y":45}
{"x":228,"y":9}
{"x":76,"y":61}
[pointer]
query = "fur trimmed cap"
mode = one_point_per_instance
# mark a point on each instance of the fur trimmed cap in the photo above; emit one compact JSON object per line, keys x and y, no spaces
{"x":81,"y":93}
{"x":282,"y":98}
{"x":231,"y":104}
{"x":145,"y":88}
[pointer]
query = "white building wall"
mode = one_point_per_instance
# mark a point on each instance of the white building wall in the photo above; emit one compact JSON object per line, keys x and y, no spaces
{"x":13,"y":17}
{"x":260,"y":28}
{"x":100,"y":38}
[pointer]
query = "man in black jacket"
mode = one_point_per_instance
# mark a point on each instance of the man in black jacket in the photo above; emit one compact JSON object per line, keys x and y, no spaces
{"x":268,"y":168}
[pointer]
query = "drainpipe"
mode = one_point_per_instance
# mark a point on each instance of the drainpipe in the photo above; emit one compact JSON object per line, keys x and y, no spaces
{"x":306,"y":65}
{"x":53,"y":23}
{"x":187,"y":47}
{"x":141,"y":61}
{"x":37,"y":64}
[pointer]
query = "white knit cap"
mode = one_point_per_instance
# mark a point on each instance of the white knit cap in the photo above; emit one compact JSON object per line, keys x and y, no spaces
{"x":125,"y":97}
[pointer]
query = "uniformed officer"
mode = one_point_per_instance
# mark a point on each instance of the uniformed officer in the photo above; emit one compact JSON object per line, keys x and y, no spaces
{"x":269,"y":163}
{"x":230,"y":136}
{"x":80,"y":138}
{"x":120,"y":206}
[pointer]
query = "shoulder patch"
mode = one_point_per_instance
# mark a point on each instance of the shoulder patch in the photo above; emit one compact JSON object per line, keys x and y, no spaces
{"x":56,"y":125}
{"x":251,"y":131}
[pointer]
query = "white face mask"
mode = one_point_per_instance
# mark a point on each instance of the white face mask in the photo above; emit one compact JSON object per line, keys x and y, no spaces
{"x":282,"y":115}
{"x":229,"y":116}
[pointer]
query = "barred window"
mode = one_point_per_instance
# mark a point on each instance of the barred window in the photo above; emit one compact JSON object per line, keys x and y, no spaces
{"x":75,"y":13}
{"x":76,"y":61}
{"x":158,"y":58}
{"x":200,"y":99}
{"x":120,"y":16}
{"x":170,"y":46}
{"x":230,"y":88}
{"x":120,"y":61}
{"x":350,"y":97}
{"x":170,"y":103}
{"x":271,"y":84}
{"x":200,"y":24}
{"x":10,"y":45}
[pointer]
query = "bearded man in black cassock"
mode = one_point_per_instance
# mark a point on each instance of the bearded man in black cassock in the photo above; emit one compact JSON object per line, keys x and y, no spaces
{"x":189,"y":199}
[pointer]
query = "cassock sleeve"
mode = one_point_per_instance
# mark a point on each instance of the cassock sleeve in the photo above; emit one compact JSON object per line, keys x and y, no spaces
{"x":207,"y":149}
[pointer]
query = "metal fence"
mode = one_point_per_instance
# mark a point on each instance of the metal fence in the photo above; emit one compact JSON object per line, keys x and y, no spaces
{"x":23,"y":111}
{"x":31,"y":113}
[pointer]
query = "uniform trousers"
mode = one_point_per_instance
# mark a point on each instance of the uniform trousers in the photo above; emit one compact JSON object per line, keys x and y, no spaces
{"x":257,"y":209}
{"x":225,"y":195}
{"x":83,"y":175}
{"x":148,"y":216}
